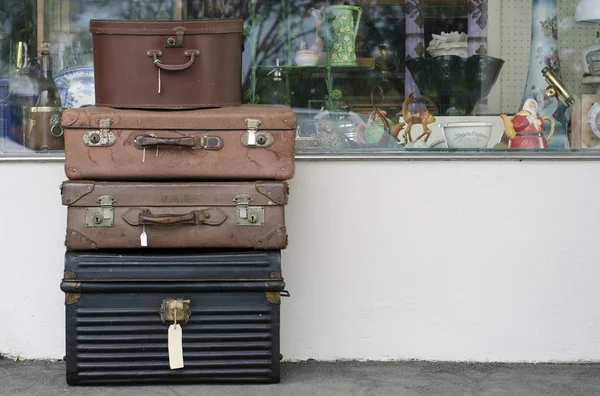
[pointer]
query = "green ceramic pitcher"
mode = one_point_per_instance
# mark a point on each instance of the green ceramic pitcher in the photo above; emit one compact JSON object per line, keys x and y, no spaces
{"x":345,"y":30}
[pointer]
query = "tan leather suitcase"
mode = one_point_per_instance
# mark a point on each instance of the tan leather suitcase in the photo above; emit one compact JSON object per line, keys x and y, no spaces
{"x":115,"y":215}
{"x":246,"y":142}
{"x":167,"y":64}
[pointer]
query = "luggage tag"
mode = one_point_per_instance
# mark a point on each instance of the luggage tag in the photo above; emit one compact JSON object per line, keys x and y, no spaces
{"x":144,"y":237}
{"x":175,"y":338}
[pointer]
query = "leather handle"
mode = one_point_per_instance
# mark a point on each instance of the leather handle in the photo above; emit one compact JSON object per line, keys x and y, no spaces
{"x":206,"y":216}
{"x":191,"y":53}
{"x":206,"y":142}
{"x":168,"y":219}
{"x":147,"y":140}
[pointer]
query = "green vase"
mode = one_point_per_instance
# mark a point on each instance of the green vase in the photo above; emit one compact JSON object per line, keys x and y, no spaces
{"x":344,"y":28}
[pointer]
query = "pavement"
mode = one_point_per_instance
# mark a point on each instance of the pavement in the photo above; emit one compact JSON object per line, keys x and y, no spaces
{"x":409,"y":378}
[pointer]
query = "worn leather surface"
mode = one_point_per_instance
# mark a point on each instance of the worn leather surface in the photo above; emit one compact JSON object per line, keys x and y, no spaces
{"x":213,"y":224}
{"x":126,"y":161}
{"x":127,"y":77}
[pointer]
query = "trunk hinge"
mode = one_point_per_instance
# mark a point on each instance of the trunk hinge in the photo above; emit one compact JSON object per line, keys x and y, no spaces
{"x":102,"y":216}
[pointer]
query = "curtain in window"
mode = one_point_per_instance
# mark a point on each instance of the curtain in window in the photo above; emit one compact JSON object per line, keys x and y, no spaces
{"x":414,"y":17}
{"x":477,"y":34}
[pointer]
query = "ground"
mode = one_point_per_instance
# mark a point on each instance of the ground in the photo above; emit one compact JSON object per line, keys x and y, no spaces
{"x":43,"y":378}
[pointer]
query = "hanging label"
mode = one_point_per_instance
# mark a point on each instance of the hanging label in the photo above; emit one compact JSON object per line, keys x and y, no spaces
{"x":144,"y":237}
{"x":175,"y":346}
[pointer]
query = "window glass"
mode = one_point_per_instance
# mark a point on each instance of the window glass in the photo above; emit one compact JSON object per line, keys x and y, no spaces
{"x":370,"y":76}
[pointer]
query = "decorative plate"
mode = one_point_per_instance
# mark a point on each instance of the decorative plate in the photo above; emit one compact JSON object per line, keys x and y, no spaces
{"x":76,"y":86}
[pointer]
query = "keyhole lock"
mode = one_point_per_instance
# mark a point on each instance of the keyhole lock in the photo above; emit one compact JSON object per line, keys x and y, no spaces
{"x":97,"y":219}
{"x":95,"y":138}
{"x":252,"y":218}
{"x":171,"y":41}
{"x":261,"y":139}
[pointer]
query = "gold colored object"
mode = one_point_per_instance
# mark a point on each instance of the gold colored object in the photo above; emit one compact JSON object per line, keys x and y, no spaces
{"x":175,"y":310}
{"x":72,"y":298}
{"x":21,"y":55}
{"x":273,"y":297}
{"x":557,"y":88}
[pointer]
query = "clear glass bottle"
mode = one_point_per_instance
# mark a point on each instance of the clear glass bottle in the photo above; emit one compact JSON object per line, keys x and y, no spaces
{"x":277,"y":86}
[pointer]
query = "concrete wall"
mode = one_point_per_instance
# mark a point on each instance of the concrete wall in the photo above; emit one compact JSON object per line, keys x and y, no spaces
{"x":459,"y":260}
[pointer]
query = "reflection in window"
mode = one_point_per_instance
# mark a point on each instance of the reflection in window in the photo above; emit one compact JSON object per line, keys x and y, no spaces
{"x":361,"y":75}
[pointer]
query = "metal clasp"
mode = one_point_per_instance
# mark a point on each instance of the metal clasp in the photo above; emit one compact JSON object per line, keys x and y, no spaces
{"x":177,"y":40}
{"x":242,"y":200}
{"x":102,"y":216}
{"x":175,"y":311}
{"x":250,"y":216}
{"x":103,"y":137}
{"x":252,"y":126}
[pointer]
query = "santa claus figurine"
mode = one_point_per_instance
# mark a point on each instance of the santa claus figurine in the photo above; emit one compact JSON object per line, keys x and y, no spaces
{"x":526,"y":129}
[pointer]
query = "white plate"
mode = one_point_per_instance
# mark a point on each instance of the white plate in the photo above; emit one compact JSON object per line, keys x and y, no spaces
{"x":76,"y":86}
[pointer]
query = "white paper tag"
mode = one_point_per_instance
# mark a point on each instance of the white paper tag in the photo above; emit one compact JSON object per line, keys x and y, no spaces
{"x":175,"y":347}
{"x":144,"y":239}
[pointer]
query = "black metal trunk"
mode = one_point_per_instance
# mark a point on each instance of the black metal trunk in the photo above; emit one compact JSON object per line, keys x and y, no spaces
{"x":116,"y":334}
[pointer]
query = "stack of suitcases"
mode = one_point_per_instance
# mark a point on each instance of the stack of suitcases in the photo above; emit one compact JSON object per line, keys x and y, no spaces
{"x":175,"y":205}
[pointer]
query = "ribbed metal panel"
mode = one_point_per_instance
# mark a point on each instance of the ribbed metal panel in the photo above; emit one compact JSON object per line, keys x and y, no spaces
{"x":167,"y":265}
{"x":119,"y":337}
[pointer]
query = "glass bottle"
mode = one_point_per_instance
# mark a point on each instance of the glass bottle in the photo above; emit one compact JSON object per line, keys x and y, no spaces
{"x":44,"y":130}
{"x":277,"y":94}
{"x":48,"y":95}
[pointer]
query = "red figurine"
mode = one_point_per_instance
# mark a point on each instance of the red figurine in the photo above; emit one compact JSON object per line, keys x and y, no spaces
{"x":526,"y":129}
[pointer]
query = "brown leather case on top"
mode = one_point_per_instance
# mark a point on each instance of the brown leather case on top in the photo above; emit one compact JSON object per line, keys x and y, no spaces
{"x":167,"y":64}
{"x":246,"y":142}
{"x":105,"y":215}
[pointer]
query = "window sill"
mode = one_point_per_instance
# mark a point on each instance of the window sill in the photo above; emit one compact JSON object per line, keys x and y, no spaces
{"x":405,"y":155}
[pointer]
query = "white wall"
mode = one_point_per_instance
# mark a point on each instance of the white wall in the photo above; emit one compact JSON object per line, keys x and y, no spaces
{"x":459,"y":260}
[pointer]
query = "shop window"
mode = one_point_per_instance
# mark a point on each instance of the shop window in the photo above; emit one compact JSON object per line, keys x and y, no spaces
{"x":365,"y":77}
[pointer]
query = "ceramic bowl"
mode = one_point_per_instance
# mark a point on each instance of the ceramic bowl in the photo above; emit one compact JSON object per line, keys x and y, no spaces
{"x":453,"y":81}
{"x":307,"y":58}
{"x":467,"y":134}
{"x":76,"y":86}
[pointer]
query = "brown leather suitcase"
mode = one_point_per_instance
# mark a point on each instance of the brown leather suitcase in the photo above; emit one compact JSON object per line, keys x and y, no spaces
{"x":167,"y":64}
{"x":115,"y":215}
{"x":246,"y":142}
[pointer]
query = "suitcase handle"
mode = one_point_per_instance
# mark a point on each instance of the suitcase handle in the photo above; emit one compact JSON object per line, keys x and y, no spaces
{"x":143,"y":216}
{"x":142,"y":141}
{"x":188,"y":218}
{"x":191,"y":53}
{"x":205,"y":142}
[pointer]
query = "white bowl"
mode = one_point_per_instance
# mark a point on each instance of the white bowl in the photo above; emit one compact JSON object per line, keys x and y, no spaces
{"x":306,"y":58}
{"x":458,"y":49}
{"x":467,"y":134}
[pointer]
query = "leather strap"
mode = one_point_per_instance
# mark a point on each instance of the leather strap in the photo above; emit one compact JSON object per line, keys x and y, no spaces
{"x":144,"y":216}
{"x":205,"y":142}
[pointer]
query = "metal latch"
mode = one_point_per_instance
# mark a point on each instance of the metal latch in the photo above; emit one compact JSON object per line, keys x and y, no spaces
{"x":103,"y":137}
{"x":102,"y":216}
{"x":249,"y":215}
{"x":177,"y":40}
{"x":176,"y":311}
{"x":252,"y":138}
{"x":252,"y":126}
